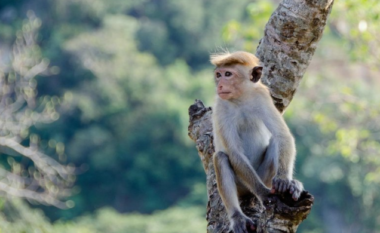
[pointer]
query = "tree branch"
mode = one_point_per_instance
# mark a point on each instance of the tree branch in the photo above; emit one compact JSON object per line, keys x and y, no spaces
{"x":43,"y":162}
{"x":289,"y":42}
{"x":45,"y":180}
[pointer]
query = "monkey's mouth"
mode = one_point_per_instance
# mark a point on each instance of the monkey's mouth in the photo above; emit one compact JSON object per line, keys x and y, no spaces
{"x":224,"y":93}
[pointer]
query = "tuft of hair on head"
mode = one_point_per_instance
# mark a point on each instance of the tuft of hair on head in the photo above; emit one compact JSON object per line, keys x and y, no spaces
{"x":239,"y":57}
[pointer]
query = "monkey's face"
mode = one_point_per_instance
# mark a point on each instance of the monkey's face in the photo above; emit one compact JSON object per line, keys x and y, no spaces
{"x":229,"y":82}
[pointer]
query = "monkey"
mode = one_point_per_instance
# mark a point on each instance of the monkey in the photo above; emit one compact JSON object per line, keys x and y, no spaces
{"x":254,"y":148}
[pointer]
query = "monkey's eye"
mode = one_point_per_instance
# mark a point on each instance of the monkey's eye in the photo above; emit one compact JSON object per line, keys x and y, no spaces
{"x":218,"y":75}
{"x":228,"y":74}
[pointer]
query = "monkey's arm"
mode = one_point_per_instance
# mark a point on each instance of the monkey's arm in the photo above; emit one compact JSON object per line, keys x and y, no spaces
{"x":282,"y":144}
{"x":284,"y":148}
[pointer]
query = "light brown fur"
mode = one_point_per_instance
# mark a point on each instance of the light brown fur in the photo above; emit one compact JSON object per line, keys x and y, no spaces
{"x":240,"y":57}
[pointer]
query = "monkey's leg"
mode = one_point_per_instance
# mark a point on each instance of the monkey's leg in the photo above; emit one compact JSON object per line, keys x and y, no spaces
{"x":248,"y":176}
{"x":269,"y":166}
{"x":225,"y":179}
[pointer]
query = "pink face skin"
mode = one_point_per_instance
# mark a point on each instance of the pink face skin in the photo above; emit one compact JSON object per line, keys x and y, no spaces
{"x":228,"y":81}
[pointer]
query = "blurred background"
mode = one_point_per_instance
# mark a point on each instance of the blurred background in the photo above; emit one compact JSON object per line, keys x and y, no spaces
{"x":93,"y":113}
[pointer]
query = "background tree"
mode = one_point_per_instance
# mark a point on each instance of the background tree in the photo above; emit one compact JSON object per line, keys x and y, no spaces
{"x":28,"y":173}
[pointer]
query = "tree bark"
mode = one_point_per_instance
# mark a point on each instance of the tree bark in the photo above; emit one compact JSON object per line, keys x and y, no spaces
{"x":290,"y":39}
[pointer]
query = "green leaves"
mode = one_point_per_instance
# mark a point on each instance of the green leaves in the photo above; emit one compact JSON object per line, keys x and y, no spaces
{"x":16,"y":216}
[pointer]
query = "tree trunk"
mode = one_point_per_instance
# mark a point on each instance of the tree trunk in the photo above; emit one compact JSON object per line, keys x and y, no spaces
{"x":290,"y":39}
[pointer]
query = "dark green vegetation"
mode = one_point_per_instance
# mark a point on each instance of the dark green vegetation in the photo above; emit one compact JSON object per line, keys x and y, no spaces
{"x":126,"y":72}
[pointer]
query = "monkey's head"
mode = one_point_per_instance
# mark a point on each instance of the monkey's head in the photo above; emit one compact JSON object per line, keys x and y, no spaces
{"x":234,"y":73}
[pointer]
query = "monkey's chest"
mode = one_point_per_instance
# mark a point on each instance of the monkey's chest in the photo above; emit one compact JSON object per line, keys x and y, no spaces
{"x":255,"y":137}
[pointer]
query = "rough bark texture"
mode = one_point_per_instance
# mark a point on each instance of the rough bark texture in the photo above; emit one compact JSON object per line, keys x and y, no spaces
{"x":290,"y":40}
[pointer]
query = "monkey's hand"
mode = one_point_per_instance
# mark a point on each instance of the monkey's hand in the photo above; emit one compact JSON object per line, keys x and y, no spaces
{"x":282,"y":185}
{"x":242,"y":224}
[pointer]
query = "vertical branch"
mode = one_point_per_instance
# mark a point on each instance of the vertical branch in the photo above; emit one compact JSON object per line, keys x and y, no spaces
{"x":290,"y":39}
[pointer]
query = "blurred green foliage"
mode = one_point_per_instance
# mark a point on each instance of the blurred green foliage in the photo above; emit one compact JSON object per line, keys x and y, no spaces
{"x":125,"y":73}
{"x":338,"y":143}
{"x":18,"y":217}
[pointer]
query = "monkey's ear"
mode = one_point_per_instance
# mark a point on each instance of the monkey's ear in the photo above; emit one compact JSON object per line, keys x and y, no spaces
{"x":256,"y":73}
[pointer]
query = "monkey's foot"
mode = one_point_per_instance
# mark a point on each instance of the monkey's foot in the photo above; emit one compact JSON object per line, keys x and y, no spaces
{"x":294,"y":187}
{"x":305,"y":200}
{"x":242,"y":224}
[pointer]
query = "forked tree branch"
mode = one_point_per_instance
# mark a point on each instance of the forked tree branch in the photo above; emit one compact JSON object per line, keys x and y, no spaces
{"x":290,"y":39}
